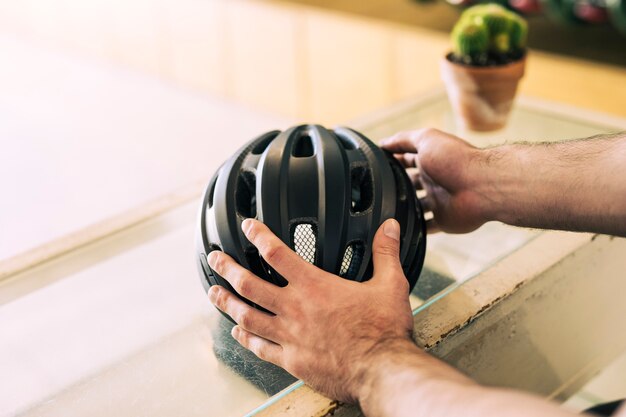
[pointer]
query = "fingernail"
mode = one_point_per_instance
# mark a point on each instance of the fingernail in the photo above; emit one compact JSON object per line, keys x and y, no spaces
{"x":384,"y":142}
{"x":234,"y":331}
{"x":213,"y":294}
{"x":211,"y":258}
{"x":246,"y":225}
{"x":391,"y":228}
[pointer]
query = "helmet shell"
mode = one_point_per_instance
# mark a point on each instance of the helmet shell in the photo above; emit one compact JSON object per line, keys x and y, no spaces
{"x":322,"y":192}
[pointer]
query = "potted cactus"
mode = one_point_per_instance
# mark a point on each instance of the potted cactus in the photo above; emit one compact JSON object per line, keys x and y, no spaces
{"x":486,"y":63}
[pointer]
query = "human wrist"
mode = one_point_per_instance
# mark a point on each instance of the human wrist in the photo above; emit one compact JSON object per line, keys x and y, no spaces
{"x":398,"y":367}
{"x":493,"y":180}
{"x":372,"y":365}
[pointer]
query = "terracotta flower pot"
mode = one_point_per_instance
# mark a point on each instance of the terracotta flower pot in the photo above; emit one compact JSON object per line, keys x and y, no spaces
{"x":482,"y":97}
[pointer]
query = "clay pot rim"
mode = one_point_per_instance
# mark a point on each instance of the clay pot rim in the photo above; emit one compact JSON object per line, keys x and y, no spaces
{"x":519,"y":61}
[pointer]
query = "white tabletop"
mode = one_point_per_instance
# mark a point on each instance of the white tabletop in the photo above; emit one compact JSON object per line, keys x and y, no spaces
{"x":83,"y":141}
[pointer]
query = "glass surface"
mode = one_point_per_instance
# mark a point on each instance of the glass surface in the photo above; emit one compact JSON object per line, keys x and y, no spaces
{"x":452,"y":259}
{"x":608,"y":386}
{"x":122,"y":326}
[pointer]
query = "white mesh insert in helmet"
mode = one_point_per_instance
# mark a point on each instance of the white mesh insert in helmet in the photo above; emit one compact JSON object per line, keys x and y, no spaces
{"x":304,"y":241}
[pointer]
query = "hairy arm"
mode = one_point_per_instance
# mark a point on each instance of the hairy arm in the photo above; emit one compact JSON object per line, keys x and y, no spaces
{"x":352,"y":341}
{"x":403,"y":381}
{"x":577,"y":185}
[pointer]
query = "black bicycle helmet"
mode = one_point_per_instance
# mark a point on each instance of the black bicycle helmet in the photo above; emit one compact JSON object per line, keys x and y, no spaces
{"x":323,"y":192}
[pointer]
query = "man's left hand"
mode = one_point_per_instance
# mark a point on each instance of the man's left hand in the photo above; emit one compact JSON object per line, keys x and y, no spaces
{"x":325,"y":329}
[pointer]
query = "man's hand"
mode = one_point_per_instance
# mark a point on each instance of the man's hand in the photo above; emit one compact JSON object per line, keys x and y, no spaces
{"x":444,"y":166}
{"x":572,"y":185}
{"x":326,"y":330}
{"x":352,"y":340}
{"x":349,"y":340}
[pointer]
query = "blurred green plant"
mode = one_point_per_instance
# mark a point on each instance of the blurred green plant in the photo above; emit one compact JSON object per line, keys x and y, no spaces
{"x":489,"y":33}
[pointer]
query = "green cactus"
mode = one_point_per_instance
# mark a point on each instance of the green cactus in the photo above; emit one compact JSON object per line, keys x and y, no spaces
{"x":518,"y":32}
{"x":483,"y":10}
{"x":470,"y":40}
{"x":496,"y":22}
{"x":501,"y":43}
{"x":488,"y":29}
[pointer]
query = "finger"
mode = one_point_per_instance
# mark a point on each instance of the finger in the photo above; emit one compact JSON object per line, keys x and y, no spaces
{"x":404,"y":142}
{"x":244,"y":282}
{"x":249,"y":318}
{"x":399,"y":143}
{"x":415,"y":177}
{"x":431,"y":224}
{"x":427,"y":204}
{"x":285,"y":261}
{"x":407,"y":160}
{"x":386,"y":250}
{"x":410,"y":141}
{"x":263,"y":348}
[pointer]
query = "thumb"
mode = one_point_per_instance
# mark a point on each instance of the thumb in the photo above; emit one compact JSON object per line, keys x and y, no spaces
{"x":386,"y":250}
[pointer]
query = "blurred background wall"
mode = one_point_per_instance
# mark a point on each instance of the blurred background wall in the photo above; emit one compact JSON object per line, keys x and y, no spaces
{"x":304,"y":59}
{"x":585,"y":29}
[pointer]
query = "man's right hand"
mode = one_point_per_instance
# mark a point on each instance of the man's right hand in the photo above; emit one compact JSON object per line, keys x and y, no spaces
{"x":449,"y":170}
{"x":575,"y":185}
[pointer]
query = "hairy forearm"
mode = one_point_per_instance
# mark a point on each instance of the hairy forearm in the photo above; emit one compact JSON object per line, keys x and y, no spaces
{"x":404,"y":381}
{"x":576,"y":185}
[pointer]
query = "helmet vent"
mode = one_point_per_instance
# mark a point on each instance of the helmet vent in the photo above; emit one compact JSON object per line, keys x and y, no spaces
{"x":260,"y":147}
{"x":351,"y":262}
{"x":361,"y":189}
{"x":212,"y":192}
{"x":255,"y":262}
{"x":401,"y":181}
{"x":303,"y":147}
{"x":212,"y":247}
{"x":305,"y":241}
{"x":245,"y":194}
